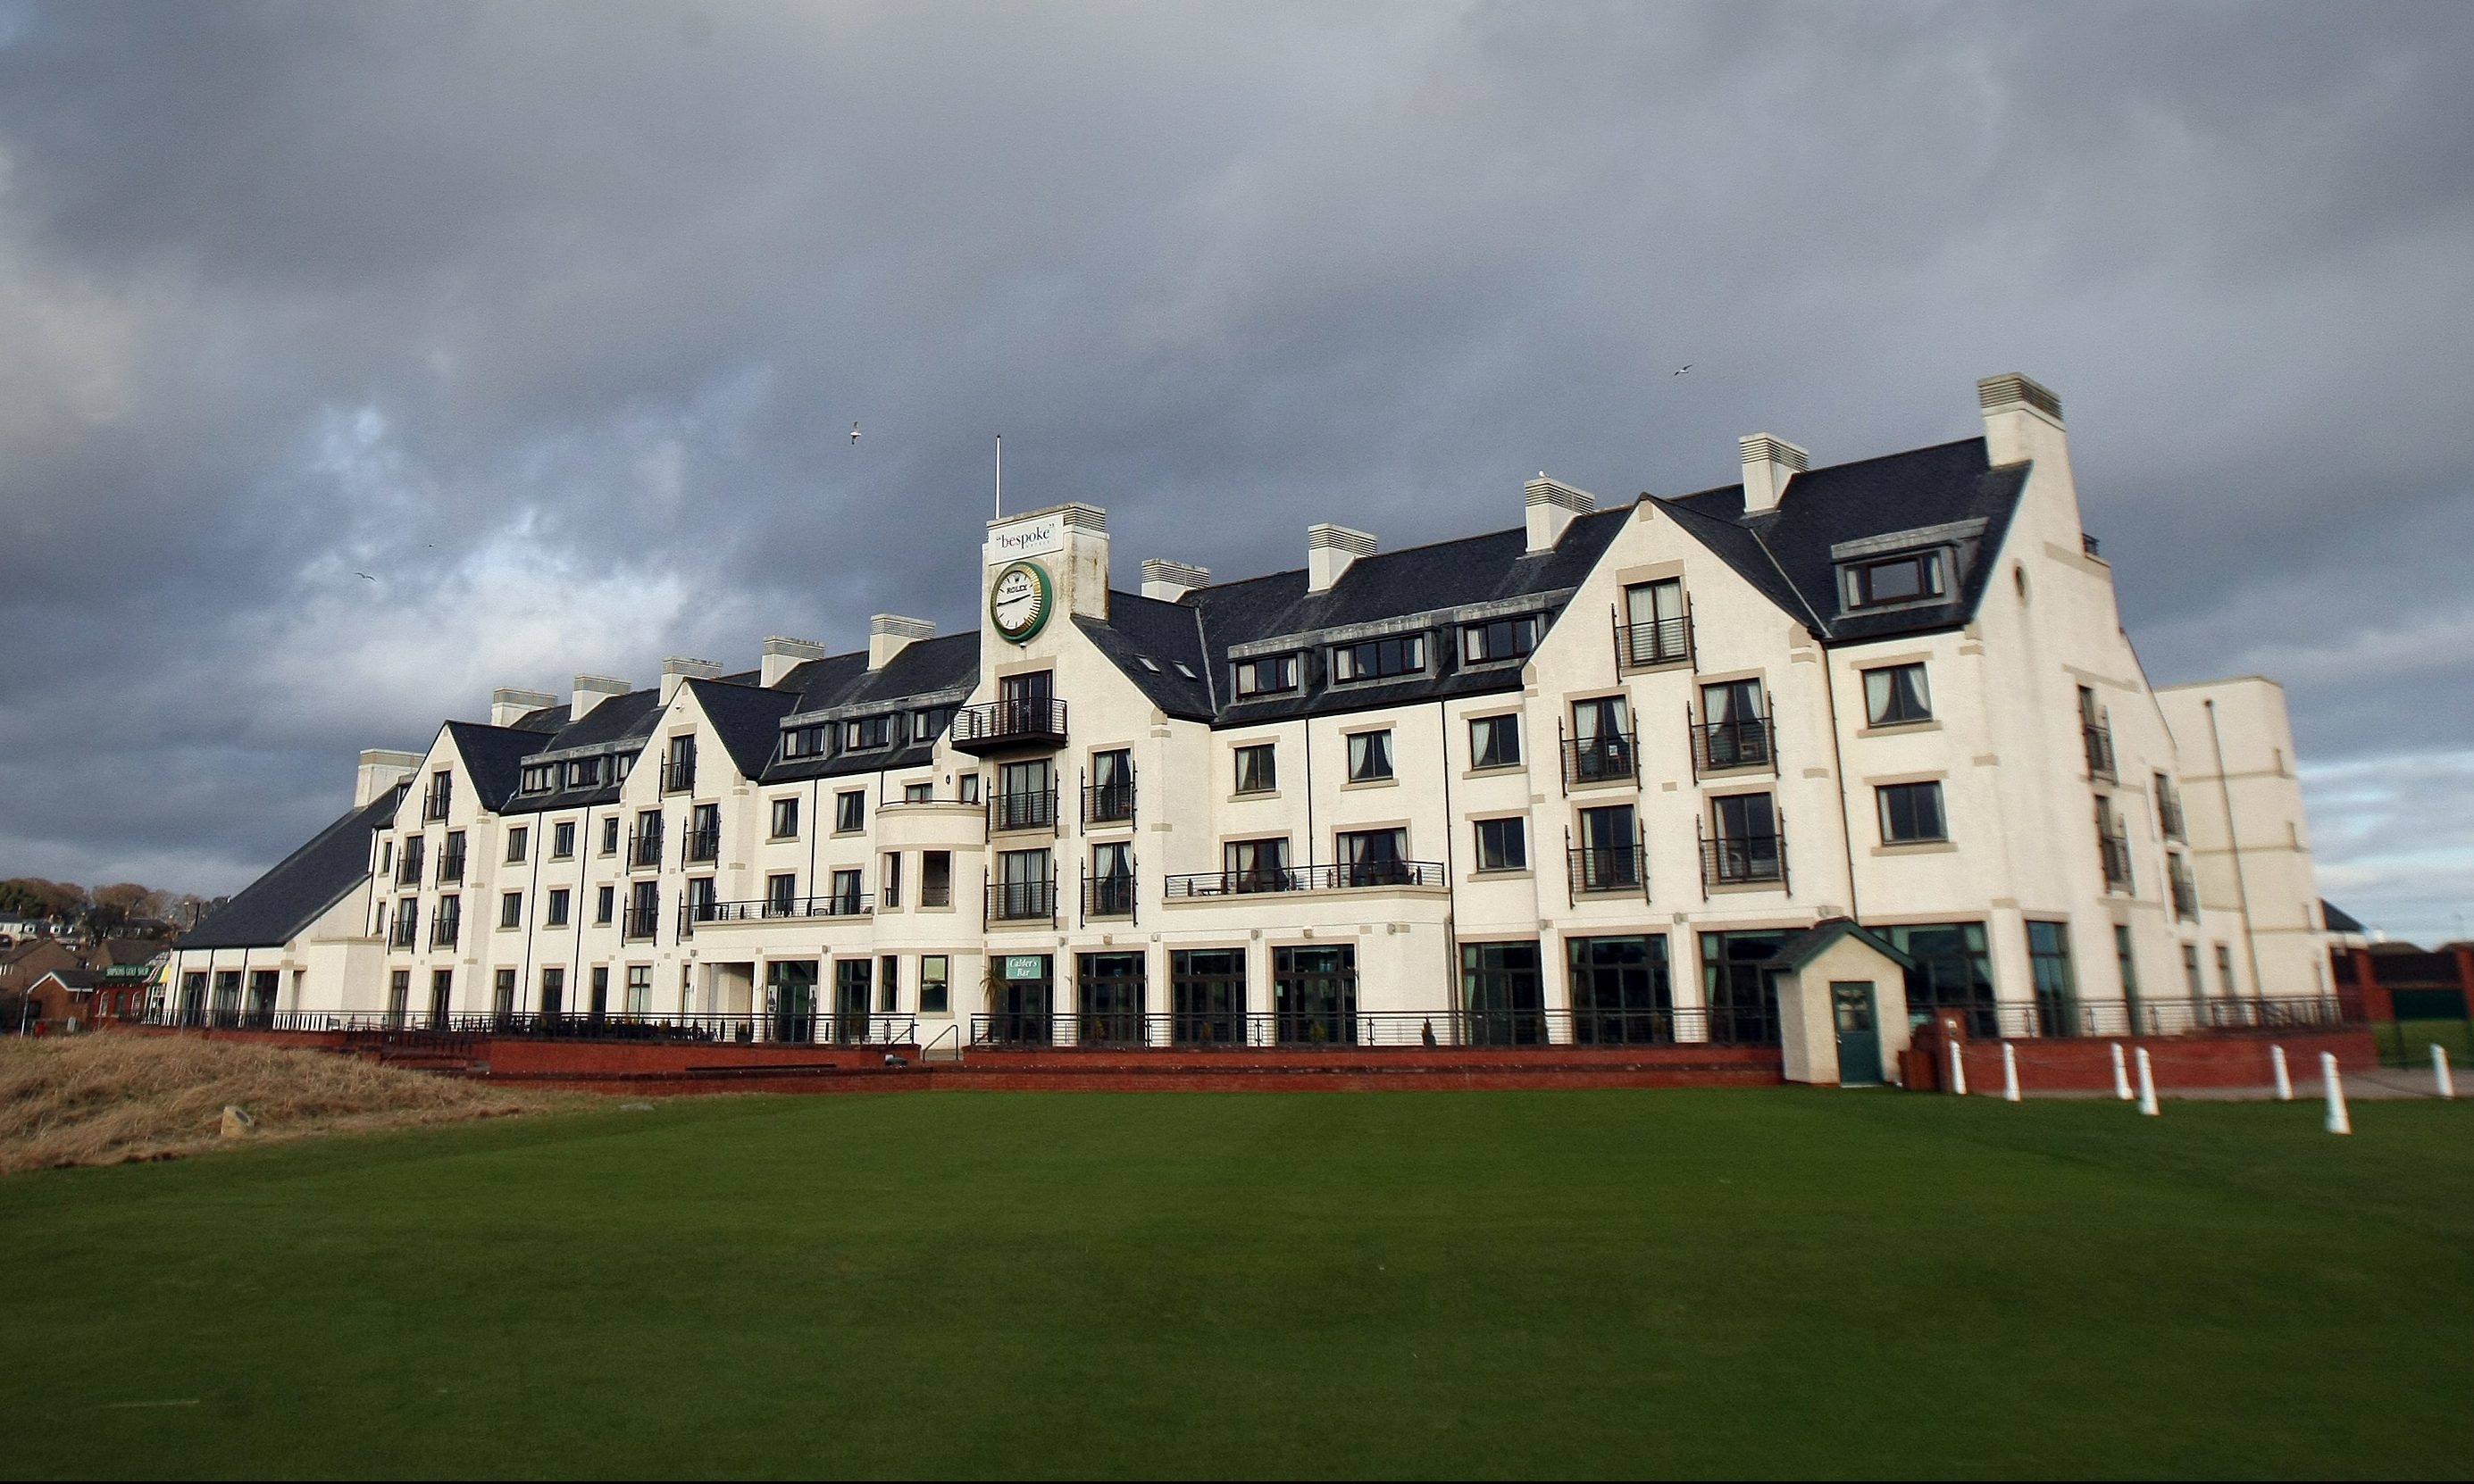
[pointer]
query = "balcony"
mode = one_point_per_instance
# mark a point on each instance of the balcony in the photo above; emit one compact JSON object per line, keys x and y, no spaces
{"x":1743,"y":860}
{"x":1109,"y":804}
{"x":1022,"y":902}
{"x":443,"y":931}
{"x":775,"y":909}
{"x":1606,"y":870}
{"x":1610,"y":759}
{"x":450,"y":867}
{"x":1745,"y":742}
{"x":1011,"y":725}
{"x":434,"y":801}
{"x":678,"y":775}
{"x":644,"y":851}
{"x":1024,"y":808}
{"x":407,"y":869}
{"x":703,"y":846}
{"x":2098,"y":739}
{"x":2115,"y":851}
{"x":1660,"y":641}
{"x":2186,"y":891}
{"x":1109,"y":897}
{"x":401,"y":935}
{"x":640,"y":923}
{"x":2168,"y":815}
{"x":1307,"y":878}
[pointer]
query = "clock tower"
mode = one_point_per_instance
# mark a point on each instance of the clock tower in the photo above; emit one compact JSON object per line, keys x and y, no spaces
{"x":1038,"y":571}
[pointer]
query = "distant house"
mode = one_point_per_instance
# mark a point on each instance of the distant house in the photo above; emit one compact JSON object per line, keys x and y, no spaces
{"x":29,"y":961}
{"x":64,"y":998}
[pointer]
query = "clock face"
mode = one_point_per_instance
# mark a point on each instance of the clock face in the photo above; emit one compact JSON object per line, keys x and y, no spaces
{"x":1018,"y":601}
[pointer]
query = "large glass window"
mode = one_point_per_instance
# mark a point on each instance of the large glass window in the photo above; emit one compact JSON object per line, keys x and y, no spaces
{"x":1739,"y":988}
{"x":2048,"y":959}
{"x":1207,"y":989}
{"x":1620,"y":991}
{"x":1499,"y":639}
{"x":1905,"y":579}
{"x":1256,"y":865}
{"x":1653,"y":622}
{"x":1953,"y":974}
{"x":1735,"y":732}
{"x":850,"y":811}
{"x":1896,"y":694}
{"x":1110,"y":989}
{"x":853,"y":998}
{"x":1267,"y":676}
{"x":935,"y":996}
{"x":790,"y":998}
{"x":1502,"y":991}
{"x":1314,"y":995}
{"x":1744,"y":840}
{"x":1609,"y":856}
{"x":1378,"y":658}
{"x":2128,"y":963}
{"x":1374,"y":857}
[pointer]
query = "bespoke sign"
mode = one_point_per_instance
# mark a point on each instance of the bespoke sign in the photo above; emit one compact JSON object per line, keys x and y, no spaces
{"x":1029,"y":538}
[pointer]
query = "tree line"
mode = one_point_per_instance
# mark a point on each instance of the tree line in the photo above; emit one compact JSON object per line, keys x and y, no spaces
{"x":122,"y":909}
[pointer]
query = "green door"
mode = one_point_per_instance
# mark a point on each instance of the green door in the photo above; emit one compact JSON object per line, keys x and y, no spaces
{"x":1860,"y":1039}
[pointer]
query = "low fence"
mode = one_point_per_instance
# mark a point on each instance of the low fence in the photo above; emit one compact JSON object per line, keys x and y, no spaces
{"x":1204,"y":1030}
{"x":461,"y":1030}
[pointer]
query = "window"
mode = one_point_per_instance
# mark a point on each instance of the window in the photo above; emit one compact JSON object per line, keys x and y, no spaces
{"x":448,"y":923}
{"x":398,"y":993}
{"x":928,"y":724}
{"x":1373,"y":857}
{"x":1498,"y":639}
{"x":918,"y":793}
{"x":935,"y":878}
{"x":1370,"y":757}
{"x":562,"y":840}
{"x":1207,"y":996}
{"x":678,"y":771}
{"x":2049,"y":960}
{"x":2169,"y":810}
{"x":1734,"y":733}
{"x":888,"y":985}
{"x":2225,"y":970}
{"x":802,"y":742}
{"x":1495,"y":742}
{"x":605,"y":903}
{"x":584,"y":772}
{"x":1656,"y":631}
{"x":1377,"y":659}
{"x":1504,"y":993}
{"x":1953,"y":973}
{"x":647,"y":847}
{"x":538,"y":778}
{"x":969,"y":785}
{"x":1256,"y":865}
{"x":450,"y":860}
{"x":1910,"y":813}
{"x":1503,"y":845}
{"x":1314,"y":995}
{"x":643,"y":910}
{"x":2128,"y":964}
{"x":780,"y":892}
{"x":518,"y":839}
{"x":1911,"y":577}
{"x":511,"y":909}
{"x":558,"y":899}
{"x":440,"y":795}
{"x":415,"y":846}
{"x":934,"y":998}
{"x":1601,"y":745}
{"x":889,"y":881}
{"x":502,"y":993}
{"x":1621,"y":992}
{"x":1266,"y":676}
{"x":1895,"y":695}
{"x":2191,"y":971}
{"x":1257,"y":769}
{"x":850,"y":812}
{"x":610,"y":835}
{"x":704,"y":832}
{"x":785,"y":819}
{"x":640,"y":988}
{"x":553,"y":992}
{"x":1609,"y":856}
{"x":599,"y":1003}
{"x":1111,"y":890}
{"x":846,"y":892}
{"x":700,"y":900}
{"x":1109,"y":799}
{"x":866,"y":733}
{"x":1745,"y":841}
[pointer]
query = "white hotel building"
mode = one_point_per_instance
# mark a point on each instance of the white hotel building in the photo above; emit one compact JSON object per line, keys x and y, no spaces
{"x":1574,"y":781}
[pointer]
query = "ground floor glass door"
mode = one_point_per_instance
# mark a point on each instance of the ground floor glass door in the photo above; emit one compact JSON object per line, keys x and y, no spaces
{"x":851,"y":996}
{"x":1502,"y":993}
{"x":1208,"y":986}
{"x":1620,"y":990}
{"x":790,"y":998}
{"x":1314,"y":995}
{"x":1019,"y":998}
{"x":1742,"y":993}
{"x":1110,"y":990}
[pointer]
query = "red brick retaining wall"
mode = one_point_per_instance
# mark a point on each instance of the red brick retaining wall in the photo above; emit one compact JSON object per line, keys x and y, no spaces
{"x":2228,"y":1059}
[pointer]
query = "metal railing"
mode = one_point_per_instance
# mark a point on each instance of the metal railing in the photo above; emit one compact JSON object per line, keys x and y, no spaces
{"x":1605,"y":758}
{"x":407,"y":869}
{"x":1242,"y":1029}
{"x":936,"y":894}
{"x":700,"y":846}
{"x":1022,"y":902}
{"x":644,"y":849}
{"x":1022,"y":808}
{"x":2168,"y":816}
{"x":1308,"y":879}
{"x":2115,"y":851}
{"x":678,"y":775}
{"x":444,"y":929}
{"x":2186,"y":891}
{"x":1034,"y":719}
{"x":450,"y":867}
{"x":463,"y":1030}
{"x":2158,"y":1016}
{"x":1743,"y":860}
{"x":403,"y":933}
{"x":1745,"y":742}
{"x":640,"y":924}
{"x":1594,"y":870}
{"x":434,"y":801}
{"x":1659,"y":641}
{"x":1109,"y":804}
{"x":2091,"y":545}
{"x":1109,"y":897}
{"x":2098,"y":739}
{"x":835,"y":904}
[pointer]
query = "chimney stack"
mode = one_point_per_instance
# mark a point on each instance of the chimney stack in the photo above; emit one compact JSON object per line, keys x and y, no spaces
{"x":782,"y":656}
{"x":2022,"y":418}
{"x":590,"y":690}
{"x":890,"y":633}
{"x":1170,"y":580}
{"x":381,"y":769}
{"x":1553,"y":506}
{"x":508,"y":704}
{"x":680,"y":667}
{"x":1330,"y":550}
{"x":1769,"y":462}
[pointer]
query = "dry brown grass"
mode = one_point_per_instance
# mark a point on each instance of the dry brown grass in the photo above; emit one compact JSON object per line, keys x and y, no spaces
{"x":105,"y":1098}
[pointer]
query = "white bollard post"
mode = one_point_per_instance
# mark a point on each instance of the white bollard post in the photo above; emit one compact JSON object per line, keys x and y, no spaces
{"x":2284,"y":1078}
{"x":2337,"y":1122}
{"x":1957,"y":1069}
{"x":2121,"y":1074}
{"x":2010,"y":1072}
{"x":2147,"y":1085}
{"x":2439,"y":1072}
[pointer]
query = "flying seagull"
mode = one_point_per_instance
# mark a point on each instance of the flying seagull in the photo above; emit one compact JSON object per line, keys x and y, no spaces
{"x":1681,"y":370}
{"x":365,"y":575}
{"x":854,"y":433}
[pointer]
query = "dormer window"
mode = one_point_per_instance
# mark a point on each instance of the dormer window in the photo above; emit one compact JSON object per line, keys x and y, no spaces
{"x":1916,"y":576}
{"x":1501,"y":640}
{"x":538,"y":778}
{"x":802,"y":742}
{"x":584,"y":772}
{"x":929,"y":723}
{"x":1379,"y":658}
{"x":866,"y":733}
{"x":1270,"y":675}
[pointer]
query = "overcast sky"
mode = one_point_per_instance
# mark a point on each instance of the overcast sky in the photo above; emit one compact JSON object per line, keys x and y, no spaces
{"x":554,"y":319}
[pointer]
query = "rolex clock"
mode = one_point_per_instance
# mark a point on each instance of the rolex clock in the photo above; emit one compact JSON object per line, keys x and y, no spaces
{"x":1019,"y":601}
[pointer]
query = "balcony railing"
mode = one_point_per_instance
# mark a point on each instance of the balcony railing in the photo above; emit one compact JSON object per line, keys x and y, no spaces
{"x":462,"y":1031}
{"x":2115,"y":850}
{"x":1238,"y":1029}
{"x":703,"y":846}
{"x":1039,"y":720}
{"x":936,"y":894}
{"x":1743,"y":860}
{"x":1745,"y":742}
{"x":401,"y":934}
{"x":407,"y":869}
{"x":640,"y":923}
{"x":1109,"y":804}
{"x":1023,"y":809}
{"x":2169,"y":816}
{"x":644,"y":849}
{"x":2099,"y":738}
{"x":678,"y":775}
{"x":434,"y":801}
{"x":1109,"y":897}
{"x":442,"y":930}
{"x":1597,"y":870}
{"x":2165,"y":1017}
{"x":837,"y":904}
{"x":1307,"y":878}
{"x":2186,"y":892}
{"x":1022,"y":902}
{"x":450,"y":867}
{"x":1659,"y":641}
{"x":1606,"y":759}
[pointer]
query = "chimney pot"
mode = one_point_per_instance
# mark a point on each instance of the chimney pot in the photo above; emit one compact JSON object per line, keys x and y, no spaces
{"x":1330,"y":550}
{"x":1770,"y":461}
{"x":1170,"y":580}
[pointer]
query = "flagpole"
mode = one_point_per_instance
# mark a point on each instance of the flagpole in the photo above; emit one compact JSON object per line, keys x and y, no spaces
{"x":1000,"y":476}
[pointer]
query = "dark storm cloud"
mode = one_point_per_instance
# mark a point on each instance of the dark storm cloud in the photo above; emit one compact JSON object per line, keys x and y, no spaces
{"x":555,"y":318}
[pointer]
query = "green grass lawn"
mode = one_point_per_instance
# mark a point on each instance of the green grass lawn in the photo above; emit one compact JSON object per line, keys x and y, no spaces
{"x":1587,"y":1282}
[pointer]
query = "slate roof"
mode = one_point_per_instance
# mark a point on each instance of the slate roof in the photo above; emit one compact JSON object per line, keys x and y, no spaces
{"x":2338,"y":920}
{"x":495,"y":756}
{"x":924,"y":671}
{"x":747,"y":718}
{"x":1786,"y":552}
{"x":1807,"y":946}
{"x":273,"y":909}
